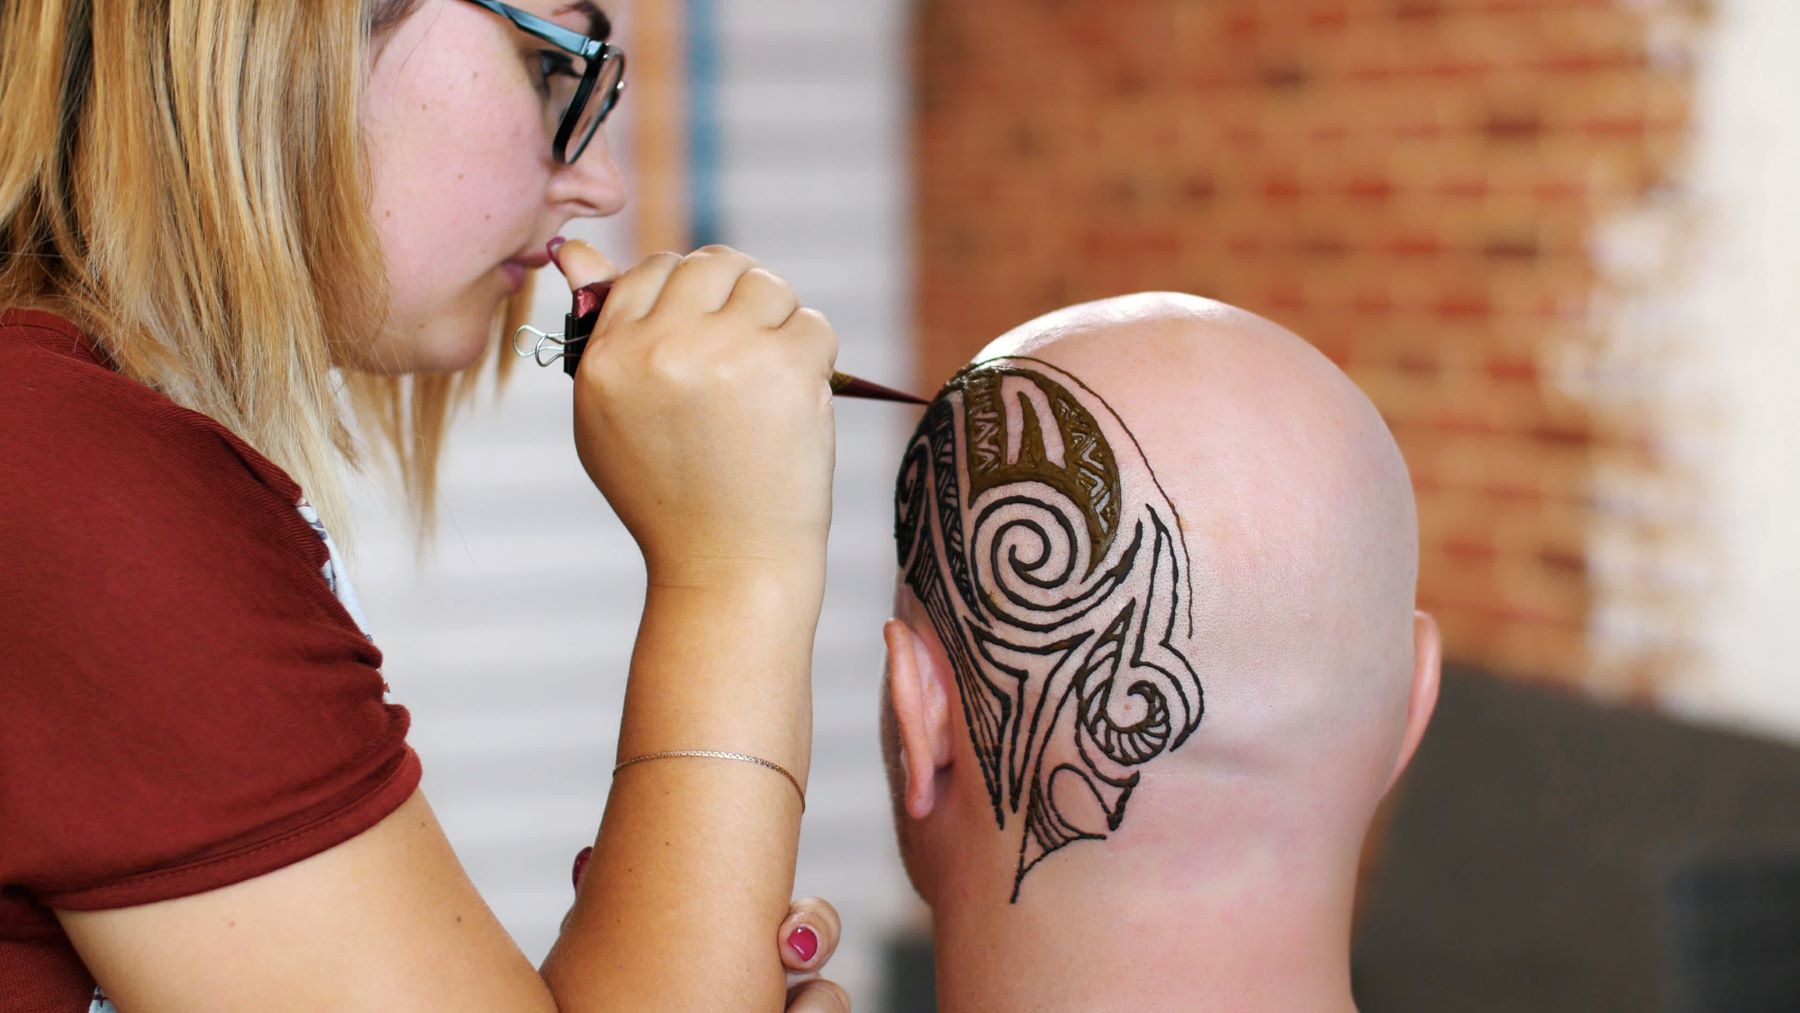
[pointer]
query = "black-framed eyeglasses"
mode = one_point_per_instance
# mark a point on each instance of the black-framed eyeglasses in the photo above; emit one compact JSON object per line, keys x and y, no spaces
{"x":584,"y":85}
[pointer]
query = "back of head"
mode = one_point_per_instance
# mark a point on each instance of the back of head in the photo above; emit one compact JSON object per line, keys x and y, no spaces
{"x":1156,"y":631}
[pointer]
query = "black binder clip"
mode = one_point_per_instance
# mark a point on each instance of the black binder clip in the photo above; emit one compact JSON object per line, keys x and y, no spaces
{"x":547,"y":348}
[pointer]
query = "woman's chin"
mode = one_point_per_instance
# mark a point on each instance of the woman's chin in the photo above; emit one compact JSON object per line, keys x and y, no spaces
{"x":450,"y":346}
{"x":453,"y":353}
{"x":438,"y":355}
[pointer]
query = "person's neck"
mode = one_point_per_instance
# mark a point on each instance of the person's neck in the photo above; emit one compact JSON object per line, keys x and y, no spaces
{"x":1080,"y":938}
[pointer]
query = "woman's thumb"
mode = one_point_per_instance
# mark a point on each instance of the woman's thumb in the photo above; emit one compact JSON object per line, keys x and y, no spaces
{"x":580,"y":263}
{"x":818,"y":996}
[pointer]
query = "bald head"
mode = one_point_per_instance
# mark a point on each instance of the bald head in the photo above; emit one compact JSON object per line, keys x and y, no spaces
{"x":1160,"y":555}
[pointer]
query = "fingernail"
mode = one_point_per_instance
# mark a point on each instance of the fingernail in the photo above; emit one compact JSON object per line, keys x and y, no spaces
{"x":804,"y":941}
{"x":581,"y":859}
{"x":553,"y":246}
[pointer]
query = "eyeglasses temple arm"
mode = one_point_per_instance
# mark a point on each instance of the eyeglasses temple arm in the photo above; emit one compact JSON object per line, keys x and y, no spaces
{"x":549,"y":31}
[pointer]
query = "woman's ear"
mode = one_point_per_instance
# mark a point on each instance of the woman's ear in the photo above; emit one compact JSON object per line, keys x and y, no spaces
{"x":918,"y":687}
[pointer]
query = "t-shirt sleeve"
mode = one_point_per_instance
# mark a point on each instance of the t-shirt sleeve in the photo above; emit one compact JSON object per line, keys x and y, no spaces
{"x":183,"y":702}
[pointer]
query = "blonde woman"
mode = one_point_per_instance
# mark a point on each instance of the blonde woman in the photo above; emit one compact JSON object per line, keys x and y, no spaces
{"x":209,"y":210}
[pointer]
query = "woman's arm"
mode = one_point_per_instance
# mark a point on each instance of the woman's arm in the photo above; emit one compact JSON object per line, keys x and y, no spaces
{"x":388,"y":920}
{"x":728,"y":494}
{"x":385,"y":922}
{"x":694,"y":862}
{"x":703,"y":415}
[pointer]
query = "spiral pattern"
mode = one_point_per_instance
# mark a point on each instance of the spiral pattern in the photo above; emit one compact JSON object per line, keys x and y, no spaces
{"x":1055,"y":586}
{"x":1130,"y":744}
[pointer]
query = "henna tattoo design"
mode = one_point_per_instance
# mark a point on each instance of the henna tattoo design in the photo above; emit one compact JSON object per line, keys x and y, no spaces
{"x":1055,"y":581}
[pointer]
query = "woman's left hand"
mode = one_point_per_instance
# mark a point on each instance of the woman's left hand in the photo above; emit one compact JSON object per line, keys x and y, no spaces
{"x":808,"y":937}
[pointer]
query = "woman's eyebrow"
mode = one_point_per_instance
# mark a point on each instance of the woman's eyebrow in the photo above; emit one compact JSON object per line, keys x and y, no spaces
{"x":599,"y":25}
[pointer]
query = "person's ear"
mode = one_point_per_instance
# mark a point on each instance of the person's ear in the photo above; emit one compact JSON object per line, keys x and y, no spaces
{"x":919,"y":692}
{"x":1427,"y":672}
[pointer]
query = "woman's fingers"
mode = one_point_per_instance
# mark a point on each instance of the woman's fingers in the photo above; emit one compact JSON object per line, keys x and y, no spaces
{"x":809,"y":935}
{"x":633,"y":293}
{"x":763,"y":299}
{"x":581,"y":264}
{"x":818,"y":996}
{"x":709,"y":432}
{"x":810,"y":326}
{"x":704,"y":279}
{"x":637,"y":290}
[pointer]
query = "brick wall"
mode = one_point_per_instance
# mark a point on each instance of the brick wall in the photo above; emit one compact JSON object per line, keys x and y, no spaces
{"x":1416,"y":186}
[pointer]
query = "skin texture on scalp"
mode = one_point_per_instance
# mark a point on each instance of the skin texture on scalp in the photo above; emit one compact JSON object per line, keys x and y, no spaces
{"x":1158,"y":560}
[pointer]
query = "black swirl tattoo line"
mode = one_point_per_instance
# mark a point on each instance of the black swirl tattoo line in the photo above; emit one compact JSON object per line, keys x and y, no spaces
{"x":1055,"y":585}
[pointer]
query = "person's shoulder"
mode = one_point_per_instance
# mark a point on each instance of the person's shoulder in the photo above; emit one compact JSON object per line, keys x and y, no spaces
{"x":77,"y":430}
{"x":107,"y":482}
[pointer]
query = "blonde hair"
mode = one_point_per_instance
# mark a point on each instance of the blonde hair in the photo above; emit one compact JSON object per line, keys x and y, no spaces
{"x":187,"y":182}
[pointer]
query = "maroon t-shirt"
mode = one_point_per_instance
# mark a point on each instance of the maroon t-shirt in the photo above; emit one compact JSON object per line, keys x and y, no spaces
{"x":184,"y":701}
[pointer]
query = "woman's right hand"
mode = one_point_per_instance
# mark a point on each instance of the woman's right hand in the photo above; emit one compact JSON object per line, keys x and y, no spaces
{"x":703,"y":414}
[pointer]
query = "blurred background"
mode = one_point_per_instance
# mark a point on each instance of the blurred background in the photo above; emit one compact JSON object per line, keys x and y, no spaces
{"x":1554,"y":240}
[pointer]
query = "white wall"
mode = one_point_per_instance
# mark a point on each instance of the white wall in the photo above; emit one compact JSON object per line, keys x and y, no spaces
{"x":1743,"y":301}
{"x":511,"y":645}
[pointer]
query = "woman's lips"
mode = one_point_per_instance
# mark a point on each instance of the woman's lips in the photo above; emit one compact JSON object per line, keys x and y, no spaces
{"x":516,"y":269}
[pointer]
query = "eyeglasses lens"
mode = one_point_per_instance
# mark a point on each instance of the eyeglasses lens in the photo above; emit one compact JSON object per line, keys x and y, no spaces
{"x":598,"y":103}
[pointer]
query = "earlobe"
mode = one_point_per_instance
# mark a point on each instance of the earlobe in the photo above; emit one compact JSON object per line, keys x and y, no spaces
{"x":919,"y":716}
{"x":1427,"y":674}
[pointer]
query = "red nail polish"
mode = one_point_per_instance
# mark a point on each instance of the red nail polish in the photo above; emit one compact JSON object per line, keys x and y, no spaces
{"x":552,"y":247}
{"x":804,"y":941}
{"x":581,"y":860}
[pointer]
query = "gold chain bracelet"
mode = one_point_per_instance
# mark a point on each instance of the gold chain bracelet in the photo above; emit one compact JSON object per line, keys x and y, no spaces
{"x":714,"y":754}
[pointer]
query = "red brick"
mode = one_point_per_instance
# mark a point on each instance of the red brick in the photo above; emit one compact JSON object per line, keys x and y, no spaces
{"x":1369,"y":188}
{"x":1562,"y":435}
{"x":1511,"y":495}
{"x":1329,"y":19}
{"x":1564,"y":561}
{"x":1463,"y":306}
{"x":1523,"y":248}
{"x":1373,"y":304}
{"x":1415,"y":245}
{"x":1524,"y":126}
{"x":1464,"y":189}
{"x":1469,"y":548}
{"x":1242,"y":25}
{"x":1282,"y":189}
{"x":1511,"y":369}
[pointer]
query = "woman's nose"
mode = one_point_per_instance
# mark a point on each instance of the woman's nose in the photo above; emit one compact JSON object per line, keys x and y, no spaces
{"x":593,"y":181}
